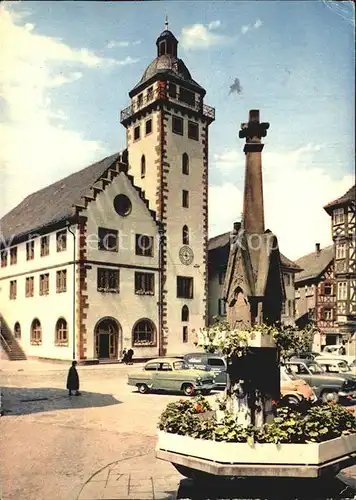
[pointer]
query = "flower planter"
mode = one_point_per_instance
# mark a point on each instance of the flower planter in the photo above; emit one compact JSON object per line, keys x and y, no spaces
{"x":267,"y":454}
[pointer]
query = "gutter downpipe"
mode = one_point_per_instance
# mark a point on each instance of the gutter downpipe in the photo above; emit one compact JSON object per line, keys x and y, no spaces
{"x":74,"y":270}
{"x":160,"y":290}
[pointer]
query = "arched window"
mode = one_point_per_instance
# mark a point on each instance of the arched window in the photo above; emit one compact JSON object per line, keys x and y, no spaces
{"x":61,"y":332}
{"x":185,"y":313}
{"x":144,"y":333}
{"x":185,"y":235}
{"x":185,"y":164}
{"x":143,"y":166}
{"x":36,"y":332}
{"x":17,"y":330}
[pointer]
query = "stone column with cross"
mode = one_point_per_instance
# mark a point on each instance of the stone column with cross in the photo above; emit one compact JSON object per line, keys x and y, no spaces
{"x":253,"y":210}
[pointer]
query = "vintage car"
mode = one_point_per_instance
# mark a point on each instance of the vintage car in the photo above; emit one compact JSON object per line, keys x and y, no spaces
{"x":171,"y":374}
{"x":336,"y":364}
{"x":209,"y":362}
{"x":327,"y":386}
{"x":295,"y":390}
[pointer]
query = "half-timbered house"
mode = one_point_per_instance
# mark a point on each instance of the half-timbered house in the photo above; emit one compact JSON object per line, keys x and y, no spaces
{"x":315,"y":294}
{"x":343,"y":231}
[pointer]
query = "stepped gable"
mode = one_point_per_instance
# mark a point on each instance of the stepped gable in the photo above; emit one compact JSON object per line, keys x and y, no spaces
{"x":65,"y":198}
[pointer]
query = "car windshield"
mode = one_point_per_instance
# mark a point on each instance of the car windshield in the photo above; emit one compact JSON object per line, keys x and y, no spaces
{"x":315,"y":368}
{"x":180,"y":365}
{"x":285,"y":376}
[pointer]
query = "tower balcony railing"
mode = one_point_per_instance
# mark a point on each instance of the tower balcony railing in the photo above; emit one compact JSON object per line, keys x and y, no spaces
{"x":160,"y":93}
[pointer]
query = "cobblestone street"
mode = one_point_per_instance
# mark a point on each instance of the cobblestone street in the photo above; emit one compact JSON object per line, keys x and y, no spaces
{"x":99,"y":445}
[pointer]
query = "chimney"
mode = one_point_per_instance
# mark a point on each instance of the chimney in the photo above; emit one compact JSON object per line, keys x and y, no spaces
{"x":237,"y":226}
{"x":317,"y":247}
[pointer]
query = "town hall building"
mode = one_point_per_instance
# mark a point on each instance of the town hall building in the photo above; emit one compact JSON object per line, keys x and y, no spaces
{"x":115,"y":256}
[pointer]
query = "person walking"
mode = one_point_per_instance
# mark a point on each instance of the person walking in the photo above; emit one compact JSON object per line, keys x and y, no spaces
{"x":124,"y":356}
{"x":130,"y":353}
{"x":73,"y":380}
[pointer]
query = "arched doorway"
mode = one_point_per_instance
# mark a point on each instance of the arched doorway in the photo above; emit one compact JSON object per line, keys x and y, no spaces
{"x":108,"y":339}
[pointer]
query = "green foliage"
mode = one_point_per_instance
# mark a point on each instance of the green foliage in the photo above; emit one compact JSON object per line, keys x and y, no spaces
{"x":220,"y":337}
{"x":317,"y":424}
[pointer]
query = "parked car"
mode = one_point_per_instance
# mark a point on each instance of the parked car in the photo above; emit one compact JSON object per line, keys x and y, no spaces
{"x":327,"y":386}
{"x":209,"y":362}
{"x":336,"y":364}
{"x":295,"y":390}
{"x":171,"y":374}
{"x":337,"y":349}
{"x":306,"y":355}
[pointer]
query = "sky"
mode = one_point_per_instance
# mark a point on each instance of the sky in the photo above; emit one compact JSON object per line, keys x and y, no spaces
{"x":66,"y":69}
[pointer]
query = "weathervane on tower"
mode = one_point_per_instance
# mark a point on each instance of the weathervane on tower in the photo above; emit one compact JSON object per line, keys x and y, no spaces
{"x":166,"y":23}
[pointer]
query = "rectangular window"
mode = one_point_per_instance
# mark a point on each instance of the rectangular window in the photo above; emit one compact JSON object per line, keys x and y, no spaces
{"x":221,"y":277}
{"x":150,"y":94}
{"x":148,"y":126}
{"x":339,"y":216}
{"x":184,"y":287}
{"x":327,"y":313}
{"x":328,"y":289}
{"x":177,"y":125}
{"x":187,"y":96}
{"x":13,"y":289}
{"x":3,"y":258}
{"x":13,"y":256}
{"x":108,"y":280}
{"x":185,"y":334}
{"x":341,"y":250}
{"x":144,"y":245}
{"x":290,"y":308}
{"x":61,"y":238}
{"x":221,"y":307}
{"x":139,"y":100}
{"x":287,"y":279}
{"x":44,"y":284}
{"x":193,"y":131}
{"x":108,"y":239}
{"x":137,"y":133}
{"x":30,"y":287}
{"x":30,"y":250}
{"x":61,"y":281}
{"x":185,"y":198}
{"x":172,"y":90}
{"x":144,"y":283}
{"x":44,"y":246}
{"x":342,"y":290}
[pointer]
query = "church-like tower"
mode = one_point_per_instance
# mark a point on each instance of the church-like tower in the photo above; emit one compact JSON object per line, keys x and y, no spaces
{"x":167,"y":141}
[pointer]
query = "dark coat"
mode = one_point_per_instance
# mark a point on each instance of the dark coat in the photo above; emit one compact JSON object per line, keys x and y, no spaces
{"x":73,"y":379}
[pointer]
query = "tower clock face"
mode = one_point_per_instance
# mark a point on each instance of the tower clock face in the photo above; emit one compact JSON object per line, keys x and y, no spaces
{"x":186,"y":255}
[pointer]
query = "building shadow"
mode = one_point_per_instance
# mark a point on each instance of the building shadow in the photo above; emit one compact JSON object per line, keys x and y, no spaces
{"x":24,"y":401}
{"x":265,"y":489}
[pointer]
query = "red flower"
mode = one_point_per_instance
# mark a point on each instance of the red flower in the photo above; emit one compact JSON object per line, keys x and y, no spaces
{"x":274,"y":403}
{"x":199,"y":408}
{"x":349,"y":397}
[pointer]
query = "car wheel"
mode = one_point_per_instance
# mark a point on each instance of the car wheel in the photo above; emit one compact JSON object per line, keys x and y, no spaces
{"x":188,"y":389}
{"x":291,"y":401}
{"x":142,"y":388}
{"x":329,"y":396}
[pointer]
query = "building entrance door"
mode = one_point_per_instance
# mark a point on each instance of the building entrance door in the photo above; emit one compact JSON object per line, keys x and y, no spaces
{"x":107,"y":339}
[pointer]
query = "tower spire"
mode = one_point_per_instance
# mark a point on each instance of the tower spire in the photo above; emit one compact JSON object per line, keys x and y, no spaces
{"x":166,"y":23}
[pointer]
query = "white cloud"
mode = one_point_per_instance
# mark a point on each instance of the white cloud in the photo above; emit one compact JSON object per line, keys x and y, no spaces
{"x":247,"y":27}
{"x":295,"y":192}
{"x":37,"y":145}
{"x":199,"y":36}
{"x":122,"y":43}
{"x":214,"y":24}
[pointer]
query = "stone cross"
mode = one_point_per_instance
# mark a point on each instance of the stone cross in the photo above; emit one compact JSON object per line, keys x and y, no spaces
{"x":253,"y":131}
